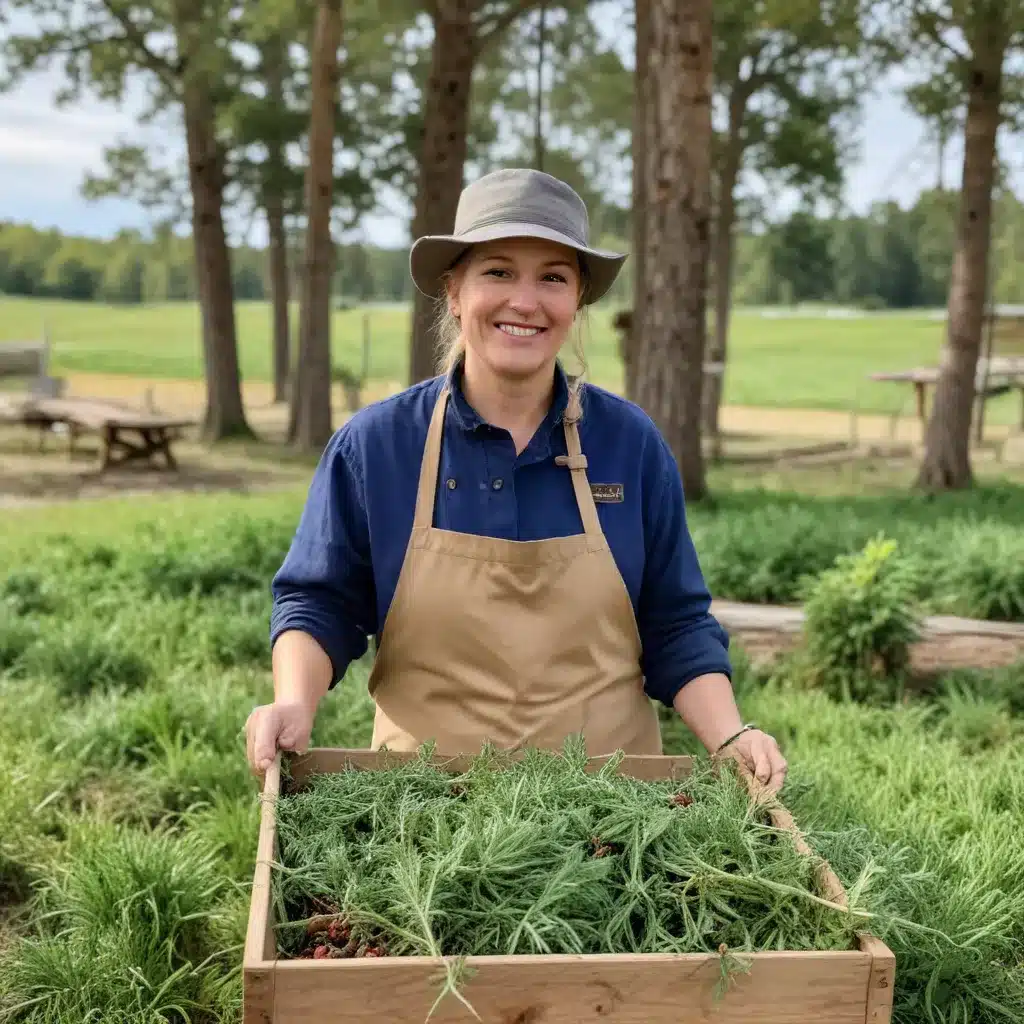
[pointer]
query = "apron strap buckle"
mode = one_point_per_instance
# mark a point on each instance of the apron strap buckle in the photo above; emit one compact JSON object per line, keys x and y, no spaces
{"x":572,"y":461}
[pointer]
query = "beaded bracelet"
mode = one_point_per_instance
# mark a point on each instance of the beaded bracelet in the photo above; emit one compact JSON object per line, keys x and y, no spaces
{"x":732,"y":739}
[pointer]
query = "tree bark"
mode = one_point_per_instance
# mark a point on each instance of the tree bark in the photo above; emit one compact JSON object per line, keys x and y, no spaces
{"x":642,"y":100}
{"x":279,"y":295}
{"x":310,"y":428}
{"x":946,"y":463}
{"x":225,"y":413}
{"x":443,"y":155}
{"x":677,"y":175}
{"x":728,"y":174}
{"x":278,"y":239}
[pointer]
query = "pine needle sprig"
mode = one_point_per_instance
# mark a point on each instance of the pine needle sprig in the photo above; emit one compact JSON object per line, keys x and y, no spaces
{"x":545,"y":854}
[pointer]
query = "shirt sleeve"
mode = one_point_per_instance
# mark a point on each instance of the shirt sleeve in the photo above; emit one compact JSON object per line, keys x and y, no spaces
{"x":681,"y":639}
{"x":325,"y":585}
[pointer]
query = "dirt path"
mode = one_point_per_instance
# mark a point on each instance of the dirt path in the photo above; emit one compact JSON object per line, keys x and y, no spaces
{"x":820,"y":424}
{"x":30,"y":476}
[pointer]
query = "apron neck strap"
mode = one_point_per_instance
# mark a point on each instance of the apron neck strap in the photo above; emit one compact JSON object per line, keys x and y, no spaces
{"x":575,"y":460}
{"x":577,"y":463}
{"x":431,"y":465}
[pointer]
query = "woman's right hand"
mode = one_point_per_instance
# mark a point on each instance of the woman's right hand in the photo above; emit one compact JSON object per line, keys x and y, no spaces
{"x":274,"y":727}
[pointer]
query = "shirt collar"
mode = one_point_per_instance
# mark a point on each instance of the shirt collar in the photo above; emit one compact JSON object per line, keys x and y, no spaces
{"x":469,"y":419}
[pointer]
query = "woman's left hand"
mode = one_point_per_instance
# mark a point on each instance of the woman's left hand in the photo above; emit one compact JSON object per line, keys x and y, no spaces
{"x":760,"y":754}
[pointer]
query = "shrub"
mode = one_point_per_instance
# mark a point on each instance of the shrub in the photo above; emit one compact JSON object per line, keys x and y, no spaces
{"x":860,"y":623}
{"x":232,"y":637}
{"x":129,"y":930}
{"x":761,"y":557}
{"x":975,"y":722}
{"x":983,"y":576}
{"x":79,"y":659}
{"x":27,"y":592}
{"x":16,"y":637}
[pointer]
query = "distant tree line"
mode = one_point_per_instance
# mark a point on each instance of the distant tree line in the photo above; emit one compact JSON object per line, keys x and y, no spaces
{"x":891,"y":258}
{"x":132,"y":268}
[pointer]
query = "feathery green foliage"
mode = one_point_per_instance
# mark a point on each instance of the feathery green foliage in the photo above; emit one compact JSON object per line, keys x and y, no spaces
{"x":860,"y":622}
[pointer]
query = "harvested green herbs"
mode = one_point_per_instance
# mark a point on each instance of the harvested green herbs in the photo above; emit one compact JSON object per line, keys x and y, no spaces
{"x":540,"y":855}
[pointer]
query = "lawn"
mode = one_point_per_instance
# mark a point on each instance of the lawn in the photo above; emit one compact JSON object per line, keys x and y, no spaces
{"x":133,"y":645}
{"x":798,"y":362}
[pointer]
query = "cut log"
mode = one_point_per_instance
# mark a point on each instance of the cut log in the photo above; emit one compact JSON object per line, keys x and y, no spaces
{"x":947,"y":642}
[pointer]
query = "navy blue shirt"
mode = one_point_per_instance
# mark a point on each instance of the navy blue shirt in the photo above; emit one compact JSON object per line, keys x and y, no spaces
{"x":339,"y":576}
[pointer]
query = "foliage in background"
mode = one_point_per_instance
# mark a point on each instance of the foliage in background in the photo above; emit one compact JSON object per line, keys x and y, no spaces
{"x":964,"y":555}
{"x":150,"y":775}
{"x":889,"y":258}
{"x":860,"y":624}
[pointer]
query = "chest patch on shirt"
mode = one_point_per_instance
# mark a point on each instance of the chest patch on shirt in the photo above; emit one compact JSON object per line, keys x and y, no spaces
{"x":611,"y":493}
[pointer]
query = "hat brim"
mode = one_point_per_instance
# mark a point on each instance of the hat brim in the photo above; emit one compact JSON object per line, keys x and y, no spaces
{"x":433,"y":255}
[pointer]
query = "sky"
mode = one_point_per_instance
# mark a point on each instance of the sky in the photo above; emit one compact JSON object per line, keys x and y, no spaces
{"x":46,"y":152}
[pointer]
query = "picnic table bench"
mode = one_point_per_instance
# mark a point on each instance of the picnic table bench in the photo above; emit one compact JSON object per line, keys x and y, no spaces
{"x":127,"y":434}
{"x":1005,"y":373}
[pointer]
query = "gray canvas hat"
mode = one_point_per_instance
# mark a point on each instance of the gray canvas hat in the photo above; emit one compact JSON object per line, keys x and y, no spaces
{"x":515,"y":203}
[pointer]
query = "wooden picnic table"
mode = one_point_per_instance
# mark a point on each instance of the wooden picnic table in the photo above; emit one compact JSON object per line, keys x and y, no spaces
{"x":127,"y":434}
{"x":1005,"y":373}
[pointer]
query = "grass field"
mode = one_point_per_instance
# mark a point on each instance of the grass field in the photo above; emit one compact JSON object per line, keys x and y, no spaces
{"x":133,"y":645}
{"x":799,"y":362}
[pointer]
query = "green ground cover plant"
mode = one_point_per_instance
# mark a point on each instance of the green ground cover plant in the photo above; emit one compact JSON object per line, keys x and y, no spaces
{"x":130,"y":777}
{"x":965,"y":552}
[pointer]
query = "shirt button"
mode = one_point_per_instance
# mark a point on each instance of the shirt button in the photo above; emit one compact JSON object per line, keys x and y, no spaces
{"x":451,"y":484}
{"x":498,"y":484}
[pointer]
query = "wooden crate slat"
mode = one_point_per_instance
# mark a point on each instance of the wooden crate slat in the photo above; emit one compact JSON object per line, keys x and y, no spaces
{"x":881,"y":981}
{"x":260,"y":942}
{"x":781,"y":988}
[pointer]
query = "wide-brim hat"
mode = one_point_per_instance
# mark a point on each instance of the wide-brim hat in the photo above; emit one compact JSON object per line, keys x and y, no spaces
{"x":515,"y":203}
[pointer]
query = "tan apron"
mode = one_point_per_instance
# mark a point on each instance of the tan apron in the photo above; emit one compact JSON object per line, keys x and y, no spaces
{"x":520,"y":643}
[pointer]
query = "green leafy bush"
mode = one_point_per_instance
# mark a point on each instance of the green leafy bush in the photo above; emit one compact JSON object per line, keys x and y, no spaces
{"x":82,"y":657}
{"x":982,"y":574}
{"x":860,"y":623}
{"x":128,"y":931}
{"x":16,"y":636}
{"x":762,"y":558}
{"x":26,"y":592}
{"x":967,"y":548}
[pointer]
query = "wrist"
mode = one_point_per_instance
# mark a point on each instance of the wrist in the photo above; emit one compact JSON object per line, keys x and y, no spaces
{"x":708,"y":708}
{"x":730,"y":739}
{"x":302,"y":671}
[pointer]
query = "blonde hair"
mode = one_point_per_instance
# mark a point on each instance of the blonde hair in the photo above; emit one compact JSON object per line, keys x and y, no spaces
{"x":450,"y":346}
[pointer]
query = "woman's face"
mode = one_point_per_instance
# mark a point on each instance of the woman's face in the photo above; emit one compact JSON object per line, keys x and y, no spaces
{"x":516,"y":300}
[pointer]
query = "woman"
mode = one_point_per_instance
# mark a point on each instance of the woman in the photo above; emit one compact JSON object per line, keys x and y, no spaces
{"x":517,"y":541}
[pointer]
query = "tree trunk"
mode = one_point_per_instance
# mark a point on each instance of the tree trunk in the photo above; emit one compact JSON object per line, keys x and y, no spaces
{"x":677,"y":173}
{"x":946,"y":464}
{"x":274,"y":186}
{"x":728,"y":174}
{"x":279,"y":295}
{"x":225,"y":414}
{"x":443,"y":155}
{"x":642,"y":100}
{"x":538,"y":126}
{"x":310,"y":427}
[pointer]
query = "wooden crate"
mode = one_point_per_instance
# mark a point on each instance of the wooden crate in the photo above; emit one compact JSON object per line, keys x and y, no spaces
{"x":853,"y":987}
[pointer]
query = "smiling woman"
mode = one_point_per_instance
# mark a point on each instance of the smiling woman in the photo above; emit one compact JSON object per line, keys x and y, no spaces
{"x":506,"y":312}
{"x":516,"y":540}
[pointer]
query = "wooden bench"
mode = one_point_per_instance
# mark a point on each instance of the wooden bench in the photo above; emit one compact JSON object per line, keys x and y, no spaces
{"x":127,"y":434}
